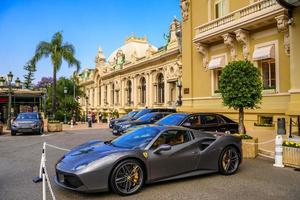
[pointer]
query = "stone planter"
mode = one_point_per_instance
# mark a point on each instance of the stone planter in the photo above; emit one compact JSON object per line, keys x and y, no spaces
{"x":54,"y":127}
{"x":250,"y":148}
{"x":291,"y":156}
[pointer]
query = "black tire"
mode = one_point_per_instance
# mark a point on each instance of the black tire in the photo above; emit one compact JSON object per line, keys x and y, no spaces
{"x":229,"y":161}
{"x":130,"y":175}
{"x":13,"y":133}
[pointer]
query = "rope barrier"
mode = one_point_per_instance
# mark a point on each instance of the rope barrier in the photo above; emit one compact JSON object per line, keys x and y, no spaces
{"x":259,"y":143}
{"x":56,"y":147}
{"x":43,"y":173}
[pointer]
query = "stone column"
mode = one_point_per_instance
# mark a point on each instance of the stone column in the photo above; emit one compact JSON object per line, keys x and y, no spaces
{"x":294,"y":104}
{"x":149,"y":97}
{"x":134,"y":91}
{"x":167,"y":90}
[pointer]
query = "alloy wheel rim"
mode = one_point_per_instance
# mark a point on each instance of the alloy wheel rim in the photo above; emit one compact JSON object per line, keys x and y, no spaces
{"x":230,"y":161}
{"x":129,"y":178}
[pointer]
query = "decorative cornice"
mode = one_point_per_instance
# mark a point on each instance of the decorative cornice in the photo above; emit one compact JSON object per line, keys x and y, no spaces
{"x":203,"y":50}
{"x":185,"y":7}
{"x":229,"y":41}
{"x":242,"y":36}
{"x":283,"y":26}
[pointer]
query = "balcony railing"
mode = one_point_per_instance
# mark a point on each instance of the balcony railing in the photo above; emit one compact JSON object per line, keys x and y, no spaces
{"x":238,"y":16}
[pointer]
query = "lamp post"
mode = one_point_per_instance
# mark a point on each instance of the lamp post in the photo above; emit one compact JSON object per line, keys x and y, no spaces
{"x":65,"y":114}
{"x":9,"y":79}
{"x":179,"y":85}
{"x":86,"y":108}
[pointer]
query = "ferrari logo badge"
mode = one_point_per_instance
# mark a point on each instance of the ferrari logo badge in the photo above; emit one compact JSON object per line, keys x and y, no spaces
{"x":145,"y":154}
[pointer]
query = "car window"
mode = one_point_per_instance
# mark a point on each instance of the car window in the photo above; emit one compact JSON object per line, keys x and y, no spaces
{"x":173,"y":119}
{"x":146,"y":117}
{"x":172,"y":137}
{"x":210,"y":119}
{"x":220,"y":120}
{"x":136,"y":138}
{"x":194,"y":120}
{"x":27,"y":116}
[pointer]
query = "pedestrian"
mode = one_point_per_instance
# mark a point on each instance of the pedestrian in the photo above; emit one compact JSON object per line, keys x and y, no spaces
{"x":89,"y":119}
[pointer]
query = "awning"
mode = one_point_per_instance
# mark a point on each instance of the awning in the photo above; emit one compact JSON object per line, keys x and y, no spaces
{"x":216,"y":62}
{"x":264,"y":53}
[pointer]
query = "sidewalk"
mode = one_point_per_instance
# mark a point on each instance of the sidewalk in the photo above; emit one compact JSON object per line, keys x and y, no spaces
{"x":84,"y":126}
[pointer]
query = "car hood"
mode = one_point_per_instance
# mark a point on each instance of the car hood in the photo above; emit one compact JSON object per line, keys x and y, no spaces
{"x":87,"y":153}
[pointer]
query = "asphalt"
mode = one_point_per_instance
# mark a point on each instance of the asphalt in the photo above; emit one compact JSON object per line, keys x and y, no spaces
{"x":20,"y":158}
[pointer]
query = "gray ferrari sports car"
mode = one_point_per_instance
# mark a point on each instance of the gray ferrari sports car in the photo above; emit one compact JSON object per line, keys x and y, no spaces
{"x":144,"y":155}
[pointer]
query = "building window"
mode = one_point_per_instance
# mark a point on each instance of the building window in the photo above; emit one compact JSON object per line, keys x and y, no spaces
{"x":129,"y":92}
{"x":264,"y":121}
{"x":218,"y":9}
{"x":217,"y":77}
{"x":113,"y":94}
{"x":143,"y":90}
{"x":268,"y":71}
{"x":160,"y":88}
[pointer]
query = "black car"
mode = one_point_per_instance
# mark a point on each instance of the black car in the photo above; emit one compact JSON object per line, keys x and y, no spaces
{"x":122,"y":119}
{"x":145,"y":111}
{"x":149,"y":118}
{"x":28,"y":122}
{"x":201,"y":121}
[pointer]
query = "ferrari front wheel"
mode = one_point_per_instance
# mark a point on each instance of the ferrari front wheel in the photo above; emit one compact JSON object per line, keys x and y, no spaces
{"x":229,"y":161}
{"x":127,"y":177}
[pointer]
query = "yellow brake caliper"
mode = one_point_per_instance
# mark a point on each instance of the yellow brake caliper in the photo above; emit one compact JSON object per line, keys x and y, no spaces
{"x":135,"y":175}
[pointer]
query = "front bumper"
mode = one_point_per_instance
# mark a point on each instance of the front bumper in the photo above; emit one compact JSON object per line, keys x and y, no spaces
{"x":25,"y":129}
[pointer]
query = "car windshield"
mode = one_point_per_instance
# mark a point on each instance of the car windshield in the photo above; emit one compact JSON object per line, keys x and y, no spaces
{"x":173,"y":119}
{"x":141,"y":113}
{"x":146,"y":117}
{"x":137,"y":138}
{"x":27,"y":116}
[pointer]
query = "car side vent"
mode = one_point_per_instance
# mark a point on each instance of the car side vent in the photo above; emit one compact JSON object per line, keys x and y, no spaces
{"x":205,"y":143}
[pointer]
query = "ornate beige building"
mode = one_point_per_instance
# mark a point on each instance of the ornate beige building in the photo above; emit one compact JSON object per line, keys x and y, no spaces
{"x":135,"y":76}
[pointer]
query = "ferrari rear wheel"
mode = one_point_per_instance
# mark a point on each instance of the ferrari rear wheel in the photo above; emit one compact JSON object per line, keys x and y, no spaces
{"x":229,"y":161}
{"x":127,"y":177}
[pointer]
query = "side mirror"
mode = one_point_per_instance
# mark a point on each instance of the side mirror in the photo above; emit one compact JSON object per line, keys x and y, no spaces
{"x":163,"y":147}
{"x":187,"y":124}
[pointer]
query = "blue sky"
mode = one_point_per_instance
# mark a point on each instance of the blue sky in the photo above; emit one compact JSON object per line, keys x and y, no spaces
{"x":87,"y":24}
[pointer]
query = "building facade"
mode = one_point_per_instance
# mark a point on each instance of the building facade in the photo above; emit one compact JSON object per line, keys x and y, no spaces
{"x":136,"y":75}
{"x":215,"y":32}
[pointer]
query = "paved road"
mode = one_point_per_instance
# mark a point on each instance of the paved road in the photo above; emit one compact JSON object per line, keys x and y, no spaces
{"x":256,"y":179}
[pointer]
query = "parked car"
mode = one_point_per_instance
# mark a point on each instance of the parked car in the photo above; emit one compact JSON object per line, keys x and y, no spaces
{"x":123,"y":118}
{"x":147,"y":110}
{"x":149,"y":118}
{"x":145,"y":155}
{"x":28,"y":122}
{"x":201,"y":121}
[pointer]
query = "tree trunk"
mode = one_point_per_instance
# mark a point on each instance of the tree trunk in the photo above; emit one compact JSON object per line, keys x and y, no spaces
{"x":241,"y":121}
{"x":54,"y":91}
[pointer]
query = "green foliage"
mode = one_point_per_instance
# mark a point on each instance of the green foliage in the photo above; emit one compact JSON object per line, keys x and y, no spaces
{"x":291,"y":144}
{"x":66,"y":102}
{"x":243,"y":136}
{"x":241,"y":85}
{"x":57,"y":51}
{"x":29,"y":77}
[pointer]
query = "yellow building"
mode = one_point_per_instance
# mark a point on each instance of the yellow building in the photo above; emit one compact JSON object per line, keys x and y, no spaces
{"x":136,"y":75}
{"x":215,"y":32}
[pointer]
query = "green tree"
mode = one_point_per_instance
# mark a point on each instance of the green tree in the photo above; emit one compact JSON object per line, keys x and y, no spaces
{"x":58,"y":51}
{"x":66,"y":103}
{"x":241,"y":88}
{"x":29,"y":77}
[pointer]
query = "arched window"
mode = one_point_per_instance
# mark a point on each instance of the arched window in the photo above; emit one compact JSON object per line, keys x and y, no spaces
{"x":129,"y":92}
{"x":143,"y":90}
{"x":160,"y":88}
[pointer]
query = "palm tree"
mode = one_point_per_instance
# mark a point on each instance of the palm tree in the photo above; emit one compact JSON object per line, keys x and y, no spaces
{"x":58,"y":51}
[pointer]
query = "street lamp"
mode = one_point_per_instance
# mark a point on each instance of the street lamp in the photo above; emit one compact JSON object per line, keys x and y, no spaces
{"x":9,"y":78}
{"x":179,"y":85}
{"x":18,"y":82}
{"x":65,"y":114}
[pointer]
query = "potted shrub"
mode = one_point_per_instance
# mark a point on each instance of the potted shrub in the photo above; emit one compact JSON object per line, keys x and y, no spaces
{"x":54,"y":126}
{"x":104,"y":118}
{"x":291,"y":153}
{"x":249,"y":145}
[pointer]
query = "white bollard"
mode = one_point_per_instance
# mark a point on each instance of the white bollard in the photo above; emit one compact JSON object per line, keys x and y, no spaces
{"x":278,"y":152}
{"x":72,"y":123}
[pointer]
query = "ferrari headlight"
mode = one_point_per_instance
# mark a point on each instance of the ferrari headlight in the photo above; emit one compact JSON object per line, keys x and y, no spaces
{"x":81,"y":166}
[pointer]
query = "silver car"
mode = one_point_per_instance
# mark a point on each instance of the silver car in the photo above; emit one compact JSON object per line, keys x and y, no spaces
{"x":28,"y":122}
